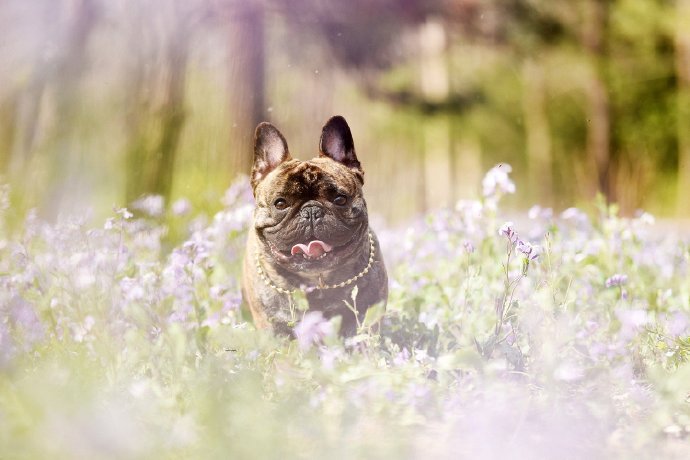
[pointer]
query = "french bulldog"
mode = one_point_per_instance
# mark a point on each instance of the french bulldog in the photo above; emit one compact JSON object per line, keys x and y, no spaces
{"x":310,"y":233}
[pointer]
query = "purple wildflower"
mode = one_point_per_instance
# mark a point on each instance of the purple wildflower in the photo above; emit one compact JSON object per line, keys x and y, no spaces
{"x":568,"y":372}
{"x":240,"y":192}
{"x":329,"y":356}
{"x":312,"y":329}
{"x":677,"y":323}
{"x":402,"y":358}
{"x":631,"y":321}
{"x":23,"y":316}
{"x":530,"y":252}
{"x":132,"y":289}
{"x":469,"y":247}
{"x":617,"y":280}
{"x":508,"y":231}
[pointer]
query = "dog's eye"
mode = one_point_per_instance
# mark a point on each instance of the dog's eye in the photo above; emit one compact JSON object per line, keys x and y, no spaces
{"x":280,"y":203}
{"x":340,"y":200}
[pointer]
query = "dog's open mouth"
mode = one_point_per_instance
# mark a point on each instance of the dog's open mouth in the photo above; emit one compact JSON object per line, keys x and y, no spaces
{"x":315,"y":250}
{"x":312,"y":252}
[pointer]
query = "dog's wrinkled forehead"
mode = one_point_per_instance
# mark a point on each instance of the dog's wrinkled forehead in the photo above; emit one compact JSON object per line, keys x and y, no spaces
{"x":307,"y":175}
{"x":317,"y":178}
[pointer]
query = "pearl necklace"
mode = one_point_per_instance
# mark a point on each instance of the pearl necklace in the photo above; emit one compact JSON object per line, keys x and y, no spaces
{"x":321,"y":286}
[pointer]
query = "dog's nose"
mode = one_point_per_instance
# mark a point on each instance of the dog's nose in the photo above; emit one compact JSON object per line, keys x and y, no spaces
{"x":312,"y":212}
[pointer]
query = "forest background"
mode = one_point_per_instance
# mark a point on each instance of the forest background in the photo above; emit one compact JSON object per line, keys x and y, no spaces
{"x":103,"y":102}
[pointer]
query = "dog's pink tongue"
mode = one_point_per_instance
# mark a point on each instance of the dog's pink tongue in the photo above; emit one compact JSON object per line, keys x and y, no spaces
{"x":315,"y":249}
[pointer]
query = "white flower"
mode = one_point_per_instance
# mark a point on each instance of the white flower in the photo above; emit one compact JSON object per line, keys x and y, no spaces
{"x":537,"y":212}
{"x":497,"y":182}
{"x":124,"y":212}
{"x":153,"y":205}
{"x":181,"y":207}
{"x":645,"y":217}
{"x":575,"y":215}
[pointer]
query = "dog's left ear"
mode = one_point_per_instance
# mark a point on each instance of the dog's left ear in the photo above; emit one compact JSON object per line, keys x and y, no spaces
{"x":336,"y":143}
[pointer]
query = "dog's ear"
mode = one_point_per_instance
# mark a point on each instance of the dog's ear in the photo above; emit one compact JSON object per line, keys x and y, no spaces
{"x":336,"y":143}
{"x":270,"y":150}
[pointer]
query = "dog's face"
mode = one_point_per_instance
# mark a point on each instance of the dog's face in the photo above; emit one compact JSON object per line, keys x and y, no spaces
{"x":310,"y":215}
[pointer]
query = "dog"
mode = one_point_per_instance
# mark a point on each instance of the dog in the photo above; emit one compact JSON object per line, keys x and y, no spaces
{"x":310,"y":233}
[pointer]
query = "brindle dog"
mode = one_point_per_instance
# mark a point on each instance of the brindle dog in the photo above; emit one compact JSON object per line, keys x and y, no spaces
{"x":311,"y":232}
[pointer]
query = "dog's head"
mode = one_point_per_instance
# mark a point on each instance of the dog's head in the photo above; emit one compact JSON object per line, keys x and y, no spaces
{"x":310,"y":215}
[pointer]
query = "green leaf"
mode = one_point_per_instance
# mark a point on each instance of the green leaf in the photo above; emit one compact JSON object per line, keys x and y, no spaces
{"x":300,"y":300}
{"x":459,"y":359}
{"x":374,"y":314}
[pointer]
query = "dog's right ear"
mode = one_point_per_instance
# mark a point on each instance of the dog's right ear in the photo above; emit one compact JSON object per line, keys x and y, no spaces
{"x":270,"y":150}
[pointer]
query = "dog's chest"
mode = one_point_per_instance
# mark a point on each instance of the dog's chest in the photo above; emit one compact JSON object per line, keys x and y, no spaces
{"x":329,"y":300}
{"x":336,"y":301}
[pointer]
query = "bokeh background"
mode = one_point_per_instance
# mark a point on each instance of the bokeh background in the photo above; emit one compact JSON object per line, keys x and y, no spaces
{"x":105,"y":101}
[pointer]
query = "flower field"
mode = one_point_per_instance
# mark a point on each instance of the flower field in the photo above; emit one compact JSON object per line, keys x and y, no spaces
{"x":564,"y":335}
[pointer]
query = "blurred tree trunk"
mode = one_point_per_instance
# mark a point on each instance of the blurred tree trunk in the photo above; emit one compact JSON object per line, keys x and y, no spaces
{"x":24,"y":111}
{"x":598,"y":110}
{"x":27,"y":118}
{"x":173,"y":113}
{"x":537,"y":133}
{"x":80,"y":19}
{"x":155,"y":125}
{"x":8,"y":121}
{"x":247,"y":80}
{"x":683,"y":74}
{"x":435,"y":87}
{"x":140,"y":103}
